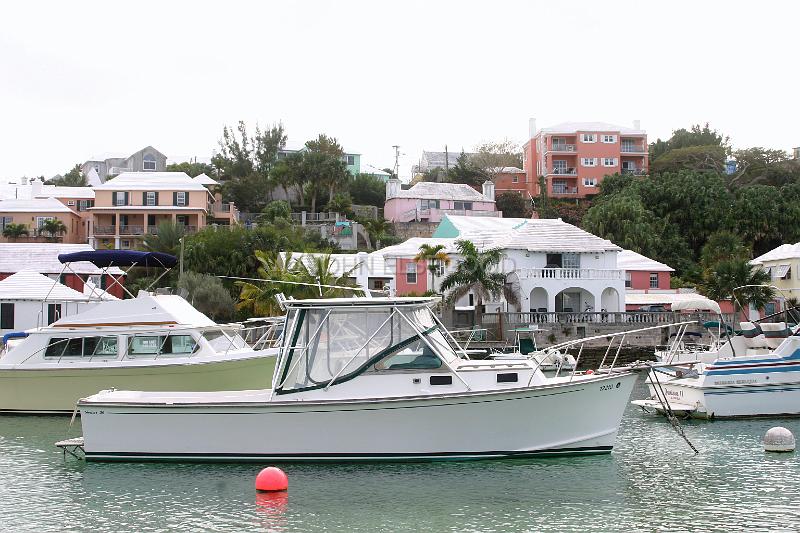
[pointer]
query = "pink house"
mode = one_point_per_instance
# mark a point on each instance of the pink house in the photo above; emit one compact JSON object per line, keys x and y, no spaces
{"x":429,"y":202}
{"x":573,"y":157}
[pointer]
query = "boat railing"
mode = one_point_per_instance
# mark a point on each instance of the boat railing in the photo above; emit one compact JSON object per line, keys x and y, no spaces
{"x":612,"y":338}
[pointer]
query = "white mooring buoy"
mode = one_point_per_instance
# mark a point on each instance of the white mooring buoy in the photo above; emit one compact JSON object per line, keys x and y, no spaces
{"x":779,"y":439}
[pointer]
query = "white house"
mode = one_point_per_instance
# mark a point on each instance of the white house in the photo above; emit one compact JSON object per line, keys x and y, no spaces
{"x":29,"y":300}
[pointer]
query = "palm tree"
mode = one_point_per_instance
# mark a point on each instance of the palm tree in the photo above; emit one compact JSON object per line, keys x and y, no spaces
{"x":15,"y":231}
{"x":378,"y":230}
{"x":166,"y":240}
{"x":475,"y":273}
{"x":53,"y":227}
{"x":435,"y":256}
{"x":258,"y":299}
{"x":319,"y":269}
{"x":719,"y":284}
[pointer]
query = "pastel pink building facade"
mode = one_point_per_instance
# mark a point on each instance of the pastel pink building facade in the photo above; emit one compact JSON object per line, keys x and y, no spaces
{"x":573,"y":157}
{"x":429,"y":202}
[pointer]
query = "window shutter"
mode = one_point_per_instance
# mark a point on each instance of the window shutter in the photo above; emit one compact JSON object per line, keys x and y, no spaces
{"x":175,"y":198}
{"x":156,"y":197}
{"x":127,"y":198}
{"x":7,"y":316}
{"x":144,"y":198}
{"x":186,"y":198}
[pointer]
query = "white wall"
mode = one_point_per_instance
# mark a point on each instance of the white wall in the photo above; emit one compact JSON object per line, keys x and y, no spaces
{"x":30,"y":314}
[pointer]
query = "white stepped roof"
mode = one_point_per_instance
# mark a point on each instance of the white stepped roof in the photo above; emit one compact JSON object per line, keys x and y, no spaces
{"x":427,"y":190}
{"x":37,"y":205}
{"x":93,"y":178}
{"x":575,"y":127}
{"x":467,"y":225}
{"x":410,"y":247}
{"x":146,"y":309}
{"x":60,"y":191}
{"x":151,"y":181}
{"x":42,"y":257}
{"x":553,"y":235}
{"x":630,"y":260}
{"x":203,"y":179}
{"x":29,"y":285}
{"x":685,"y":300}
{"x":782,"y":252}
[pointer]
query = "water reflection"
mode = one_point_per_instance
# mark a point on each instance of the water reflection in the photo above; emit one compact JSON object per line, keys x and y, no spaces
{"x":271,"y":509}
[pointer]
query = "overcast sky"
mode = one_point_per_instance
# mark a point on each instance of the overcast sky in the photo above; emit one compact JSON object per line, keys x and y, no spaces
{"x":79,"y":78}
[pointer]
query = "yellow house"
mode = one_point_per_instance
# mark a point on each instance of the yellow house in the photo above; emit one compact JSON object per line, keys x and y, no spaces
{"x":33,"y":214}
{"x":133,"y":204}
{"x":783,"y":265}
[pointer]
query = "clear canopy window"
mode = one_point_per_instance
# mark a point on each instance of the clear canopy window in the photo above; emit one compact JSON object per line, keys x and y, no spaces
{"x":337,"y":344}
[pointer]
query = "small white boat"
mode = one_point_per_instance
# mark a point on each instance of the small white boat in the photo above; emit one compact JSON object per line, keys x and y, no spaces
{"x":755,"y":373}
{"x":151,"y":342}
{"x":364,"y":379}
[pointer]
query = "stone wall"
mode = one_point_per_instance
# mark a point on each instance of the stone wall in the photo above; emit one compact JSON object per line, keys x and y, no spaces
{"x":407,"y":230}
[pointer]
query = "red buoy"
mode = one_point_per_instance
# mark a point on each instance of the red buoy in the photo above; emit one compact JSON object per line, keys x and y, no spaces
{"x":272,"y":479}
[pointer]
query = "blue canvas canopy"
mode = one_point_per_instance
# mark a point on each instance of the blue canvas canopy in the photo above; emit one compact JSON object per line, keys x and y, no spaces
{"x":107,"y":258}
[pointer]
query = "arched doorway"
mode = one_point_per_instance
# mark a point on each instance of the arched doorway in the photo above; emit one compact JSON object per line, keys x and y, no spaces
{"x":538,"y":300}
{"x":610,"y":300}
{"x":575,"y":300}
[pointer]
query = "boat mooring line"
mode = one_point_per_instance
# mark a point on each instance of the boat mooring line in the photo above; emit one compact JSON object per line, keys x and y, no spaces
{"x":673,"y":420}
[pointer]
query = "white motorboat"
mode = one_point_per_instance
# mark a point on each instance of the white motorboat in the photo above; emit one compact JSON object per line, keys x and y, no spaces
{"x":151,"y":342}
{"x":366,"y":379}
{"x":755,"y":373}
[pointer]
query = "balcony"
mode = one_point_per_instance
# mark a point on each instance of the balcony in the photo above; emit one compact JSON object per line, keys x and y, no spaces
{"x":131,"y":230}
{"x":630,"y":148}
{"x":562,"y":147}
{"x":634,"y":172}
{"x":570,"y":273}
{"x":469,"y":212}
{"x":563,"y":189}
{"x":105,"y":230}
{"x":563,"y":171}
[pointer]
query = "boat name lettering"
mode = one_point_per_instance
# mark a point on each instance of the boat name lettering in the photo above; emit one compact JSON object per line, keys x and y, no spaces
{"x":676,"y":393}
{"x":93,"y":412}
{"x":609,"y":386}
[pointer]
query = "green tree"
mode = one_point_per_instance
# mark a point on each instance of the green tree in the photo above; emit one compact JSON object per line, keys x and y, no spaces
{"x":341,"y":203}
{"x":73,"y":178}
{"x":324,"y":165}
{"x":208,"y":295}
{"x":756,"y":216}
{"x":719,"y":284}
{"x":192,"y":168}
{"x":721,"y":246}
{"x":683,"y":138}
{"x":696,"y":158}
{"x":276,"y":210}
{"x":435,"y":257}
{"x":53,"y":227}
{"x":366,"y":189}
{"x":378,"y":230}
{"x":167,"y":239}
{"x":258,"y":298}
{"x":544,"y":208}
{"x":467,"y":172}
{"x":493,"y":156}
{"x":320,"y":269}
{"x":764,"y":166}
{"x":513,"y":205}
{"x":15,"y":231}
{"x":477,"y":273}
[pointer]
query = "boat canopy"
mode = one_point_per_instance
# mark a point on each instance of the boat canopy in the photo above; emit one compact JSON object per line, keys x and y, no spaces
{"x":331,"y":343}
{"x":697,"y":304}
{"x":107,"y":258}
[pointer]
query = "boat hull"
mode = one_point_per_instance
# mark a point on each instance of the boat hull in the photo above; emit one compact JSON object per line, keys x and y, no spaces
{"x":568,"y":418}
{"x":57,"y":390}
{"x":758,"y":399}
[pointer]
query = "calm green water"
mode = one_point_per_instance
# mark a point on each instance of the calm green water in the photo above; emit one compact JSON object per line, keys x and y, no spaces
{"x":651,"y":481}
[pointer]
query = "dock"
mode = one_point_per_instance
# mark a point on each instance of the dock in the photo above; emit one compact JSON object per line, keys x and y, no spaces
{"x":73,"y":446}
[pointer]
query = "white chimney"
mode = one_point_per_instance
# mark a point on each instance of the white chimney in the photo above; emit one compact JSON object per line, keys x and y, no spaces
{"x":531,"y":128}
{"x":488,"y":189}
{"x":36,"y":187}
{"x":637,"y":124}
{"x":392,"y":187}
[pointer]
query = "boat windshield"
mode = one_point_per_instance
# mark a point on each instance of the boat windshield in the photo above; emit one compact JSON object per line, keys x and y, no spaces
{"x":330,"y":345}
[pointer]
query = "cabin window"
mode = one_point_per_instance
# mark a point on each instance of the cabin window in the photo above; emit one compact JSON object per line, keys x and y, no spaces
{"x":222,"y":341}
{"x":161,"y":345}
{"x":341,"y":343}
{"x":81,"y":347}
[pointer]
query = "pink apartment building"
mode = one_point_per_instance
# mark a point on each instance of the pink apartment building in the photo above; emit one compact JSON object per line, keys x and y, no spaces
{"x":573,"y":157}
{"x":429,"y":202}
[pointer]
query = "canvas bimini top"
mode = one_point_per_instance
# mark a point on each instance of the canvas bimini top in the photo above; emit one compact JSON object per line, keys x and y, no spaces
{"x":107,"y":258}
